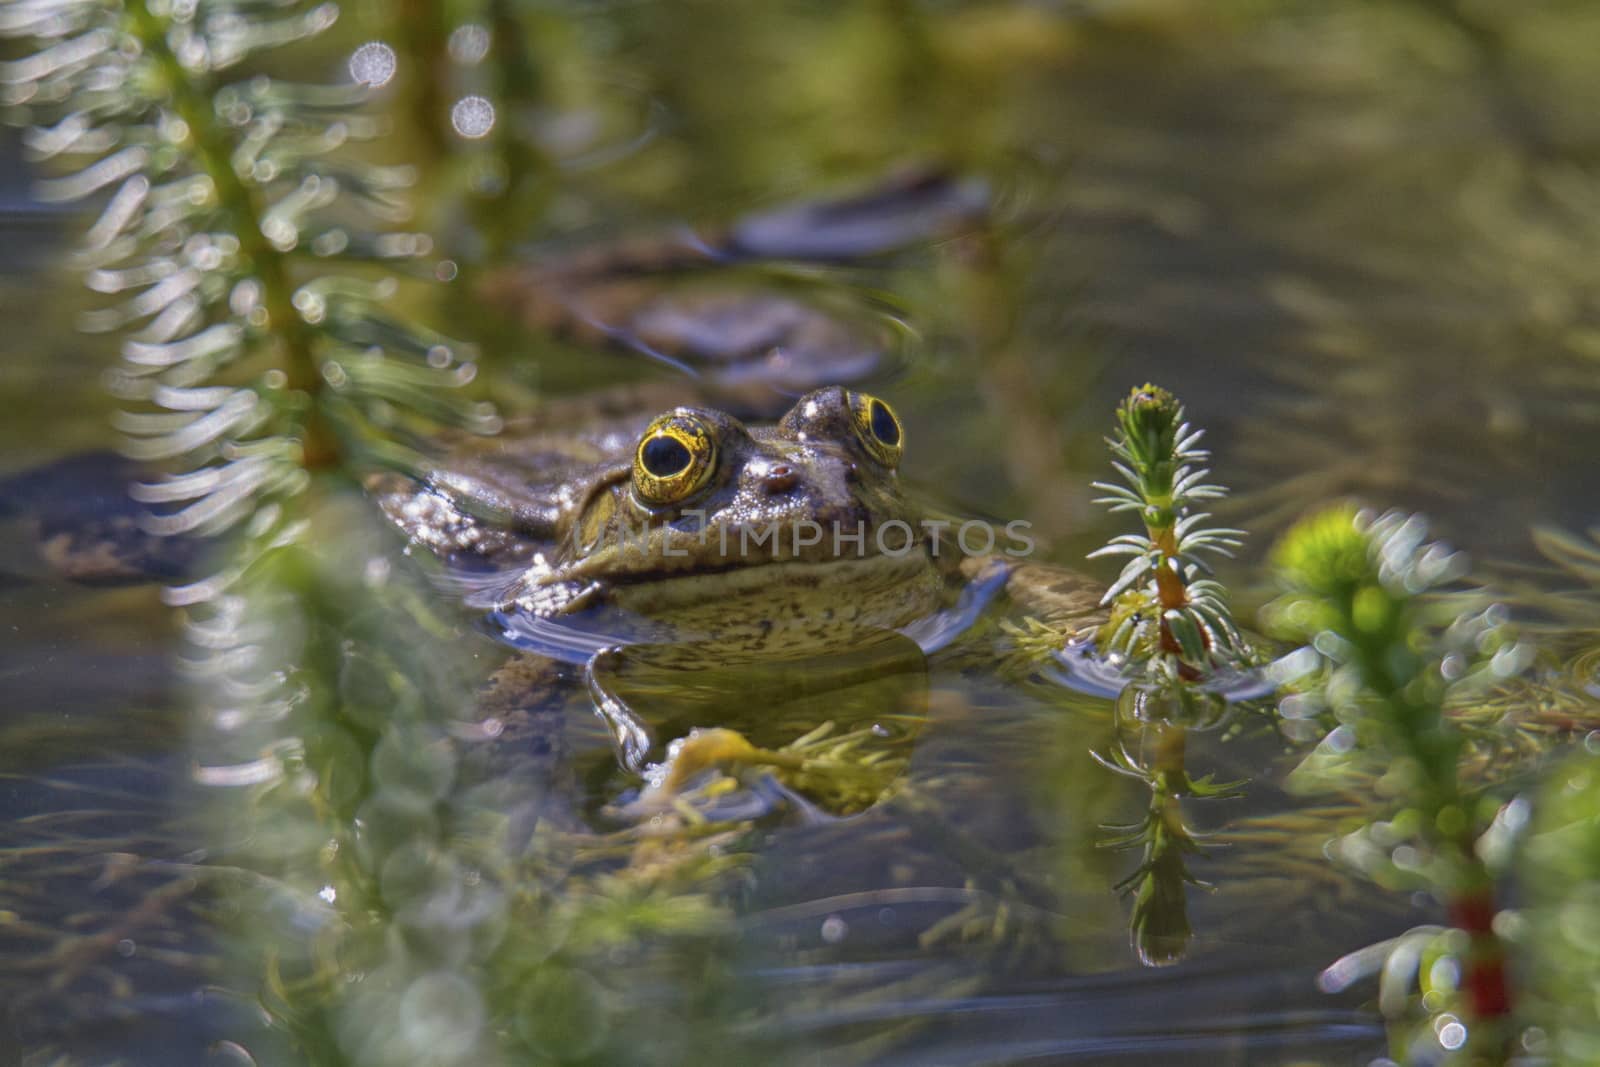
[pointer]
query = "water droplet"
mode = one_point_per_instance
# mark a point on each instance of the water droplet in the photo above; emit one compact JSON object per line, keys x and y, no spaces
{"x":446,"y":270}
{"x":473,"y":117}
{"x":373,"y":64}
{"x":1452,"y":1035}
{"x":328,"y":893}
{"x":126,"y":948}
{"x":834,"y":929}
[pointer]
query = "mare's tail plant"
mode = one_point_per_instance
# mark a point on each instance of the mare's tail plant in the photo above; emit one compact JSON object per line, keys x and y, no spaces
{"x":1385,"y":658}
{"x":261,"y":369}
{"x":1171,"y":633}
{"x":239,"y":236}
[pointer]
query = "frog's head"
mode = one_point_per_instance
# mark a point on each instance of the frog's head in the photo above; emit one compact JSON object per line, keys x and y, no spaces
{"x":704,"y":493}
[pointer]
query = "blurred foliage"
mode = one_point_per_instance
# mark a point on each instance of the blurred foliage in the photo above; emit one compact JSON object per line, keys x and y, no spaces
{"x":1383,"y":661}
{"x":1561,"y":868}
{"x":395,"y":839}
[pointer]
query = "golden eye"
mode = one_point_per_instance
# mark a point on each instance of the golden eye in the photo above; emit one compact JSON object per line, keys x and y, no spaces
{"x":878,"y":427}
{"x":675,"y":457}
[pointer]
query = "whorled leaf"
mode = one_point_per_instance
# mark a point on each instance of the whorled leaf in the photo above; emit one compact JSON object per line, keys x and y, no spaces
{"x":226,"y":198}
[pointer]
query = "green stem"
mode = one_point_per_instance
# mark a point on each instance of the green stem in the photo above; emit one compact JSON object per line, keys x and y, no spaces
{"x":1421,"y":734}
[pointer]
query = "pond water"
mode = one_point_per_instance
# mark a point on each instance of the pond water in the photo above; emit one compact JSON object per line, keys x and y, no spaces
{"x":1358,"y":240}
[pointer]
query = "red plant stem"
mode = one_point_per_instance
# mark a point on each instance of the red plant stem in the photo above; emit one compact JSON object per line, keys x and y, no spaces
{"x":1173,"y":594}
{"x":1484,"y":971}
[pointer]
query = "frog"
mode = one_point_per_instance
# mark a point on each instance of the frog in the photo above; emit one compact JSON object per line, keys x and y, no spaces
{"x":731,"y":543}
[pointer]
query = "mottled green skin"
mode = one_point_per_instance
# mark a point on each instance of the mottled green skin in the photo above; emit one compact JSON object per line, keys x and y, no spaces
{"x":540,"y":514}
{"x":582,"y":538}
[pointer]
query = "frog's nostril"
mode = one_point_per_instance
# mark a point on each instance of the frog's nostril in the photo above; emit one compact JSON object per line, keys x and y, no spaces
{"x":779,"y":479}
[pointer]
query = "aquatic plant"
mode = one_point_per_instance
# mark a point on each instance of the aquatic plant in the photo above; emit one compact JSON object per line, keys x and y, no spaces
{"x":1384,"y":659}
{"x":232,"y":197}
{"x":1169,"y":630}
{"x":1167,"y":615}
{"x":262,"y":381}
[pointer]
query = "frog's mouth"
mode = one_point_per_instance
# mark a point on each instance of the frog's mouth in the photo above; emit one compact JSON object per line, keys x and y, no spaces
{"x":754,"y":580}
{"x":879,"y":590}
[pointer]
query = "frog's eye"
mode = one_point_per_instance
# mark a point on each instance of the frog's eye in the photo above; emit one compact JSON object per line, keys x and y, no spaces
{"x":675,"y":457}
{"x":878,"y":427}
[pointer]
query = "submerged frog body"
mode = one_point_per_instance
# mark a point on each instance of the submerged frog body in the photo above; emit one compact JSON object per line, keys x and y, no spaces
{"x":693,"y":530}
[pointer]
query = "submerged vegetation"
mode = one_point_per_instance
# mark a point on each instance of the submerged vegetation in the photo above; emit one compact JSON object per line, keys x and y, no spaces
{"x":1170,"y":626}
{"x":397,"y":889}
